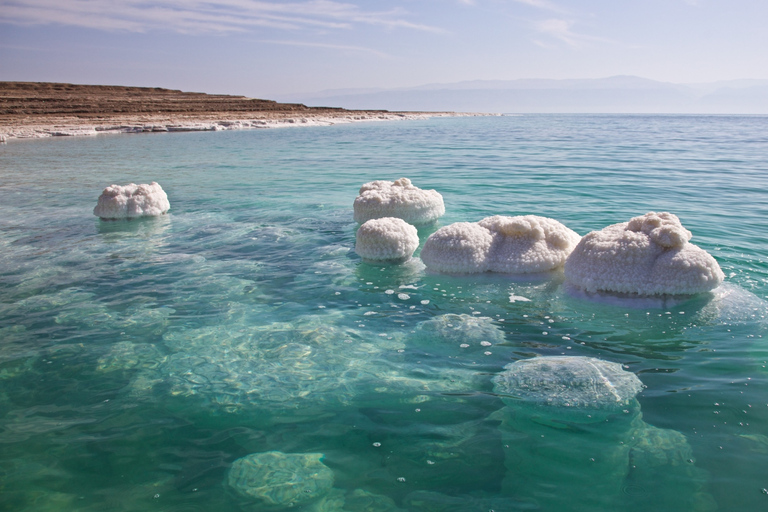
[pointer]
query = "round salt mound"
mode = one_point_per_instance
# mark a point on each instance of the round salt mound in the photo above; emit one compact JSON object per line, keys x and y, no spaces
{"x":568,"y":381}
{"x":386,"y":239}
{"x":281,"y":479}
{"x":525,"y":244}
{"x":399,"y":199}
{"x":649,"y":255}
{"x":132,"y":201}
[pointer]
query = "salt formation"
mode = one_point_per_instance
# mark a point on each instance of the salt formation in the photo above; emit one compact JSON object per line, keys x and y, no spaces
{"x":279,"y":479}
{"x":649,"y":255}
{"x":572,"y":423}
{"x":568,"y":382}
{"x":517,"y":245}
{"x":458,"y":329}
{"x":131,"y":201}
{"x":386,"y":239}
{"x":399,"y":199}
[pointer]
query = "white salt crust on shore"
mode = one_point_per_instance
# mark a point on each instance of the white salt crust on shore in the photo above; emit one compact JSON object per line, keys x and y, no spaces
{"x":132,"y":201}
{"x":400,"y":199}
{"x":649,"y":255}
{"x":139,"y":124}
{"x":514,"y":245}
{"x":386,"y":240}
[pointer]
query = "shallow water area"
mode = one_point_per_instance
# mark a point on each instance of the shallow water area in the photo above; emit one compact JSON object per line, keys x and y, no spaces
{"x":140,"y":359}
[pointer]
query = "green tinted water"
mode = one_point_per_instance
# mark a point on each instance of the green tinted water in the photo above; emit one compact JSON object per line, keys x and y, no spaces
{"x":139,"y":360}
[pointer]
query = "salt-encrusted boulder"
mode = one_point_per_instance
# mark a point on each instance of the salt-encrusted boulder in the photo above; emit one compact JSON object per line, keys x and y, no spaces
{"x":528,"y":244}
{"x":278,"y":480}
{"x":517,"y":245}
{"x":399,"y":199}
{"x":132,"y":201}
{"x":574,"y":422}
{"x":461,"y":247}
{"x":649,"y":255}
{"x":568,"y":383}
{"x":386,"y":239}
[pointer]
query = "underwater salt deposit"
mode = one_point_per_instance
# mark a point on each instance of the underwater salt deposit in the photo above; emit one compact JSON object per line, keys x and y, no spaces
{"x":237,"y":353}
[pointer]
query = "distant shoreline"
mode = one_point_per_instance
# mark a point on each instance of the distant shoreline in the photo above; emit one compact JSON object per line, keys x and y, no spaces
{"x":42,"y":109}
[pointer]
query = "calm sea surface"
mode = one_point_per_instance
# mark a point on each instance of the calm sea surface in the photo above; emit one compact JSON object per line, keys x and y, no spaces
{"x":139,"y":360}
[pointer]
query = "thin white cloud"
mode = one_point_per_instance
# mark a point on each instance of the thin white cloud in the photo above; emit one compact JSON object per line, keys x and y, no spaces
{"x":561,"y":29}
{"x":198,"y":16}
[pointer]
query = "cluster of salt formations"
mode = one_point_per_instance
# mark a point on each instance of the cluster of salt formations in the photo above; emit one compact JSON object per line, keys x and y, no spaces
{"x":649,"y":255}
{"x":132,"y":201}
{"x":519,"y":245}
{"x":387,"y":239}
{"x":399,"y":199}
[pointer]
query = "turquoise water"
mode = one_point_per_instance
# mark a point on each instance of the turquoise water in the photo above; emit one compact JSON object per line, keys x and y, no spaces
{"x":139,"y":360}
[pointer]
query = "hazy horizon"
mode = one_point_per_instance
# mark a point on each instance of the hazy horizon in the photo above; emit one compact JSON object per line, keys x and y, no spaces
{"x":269,"y":49}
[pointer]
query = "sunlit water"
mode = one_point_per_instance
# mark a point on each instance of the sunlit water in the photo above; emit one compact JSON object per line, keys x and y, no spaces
{"x":139,"y":360}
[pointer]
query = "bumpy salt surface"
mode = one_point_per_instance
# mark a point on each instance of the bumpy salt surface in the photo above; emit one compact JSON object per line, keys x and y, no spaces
{"x":649,"y":255}
{"x":568,"y":381}
{"x":461,"y":328}
{"x":131,"y":201}
{"x":516,"y":245}
{"x":281,"y":479}
{"x":386,"y":239}
{"x":399,"y":199}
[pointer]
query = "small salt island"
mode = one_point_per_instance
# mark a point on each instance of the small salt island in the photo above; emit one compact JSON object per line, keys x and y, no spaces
{"x":648,"y":256}
{"x":399,"y":198}
{"x":386,"y":240}
{"x":514,"y":245}
{"x":132,"y":201}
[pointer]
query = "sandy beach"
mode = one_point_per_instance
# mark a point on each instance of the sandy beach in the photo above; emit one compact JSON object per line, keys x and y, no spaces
{"x":35,"y":109}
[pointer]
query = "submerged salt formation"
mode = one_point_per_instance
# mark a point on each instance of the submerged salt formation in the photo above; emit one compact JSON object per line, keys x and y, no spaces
{"x":573,"y":423}
{"x":386,"y":239}
{"x":277,"y":479}
{"x":399,"y":199}
{"x":462,"y":330}
{"x":562,"y":382}
{"x":649,"y":255}
{"x":516,"y":245}
{"x":132,"y":201}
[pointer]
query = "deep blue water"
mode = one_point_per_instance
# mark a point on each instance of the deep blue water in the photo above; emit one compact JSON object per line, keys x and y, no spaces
{"x":139,"y":360}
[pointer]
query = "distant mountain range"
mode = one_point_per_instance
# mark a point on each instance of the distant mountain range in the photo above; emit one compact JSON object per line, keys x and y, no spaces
{"x":617,"y":94}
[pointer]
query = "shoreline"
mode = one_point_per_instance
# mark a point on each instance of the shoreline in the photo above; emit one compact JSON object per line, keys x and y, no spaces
{"x":31,"y":110}
{"x":73,"y":127}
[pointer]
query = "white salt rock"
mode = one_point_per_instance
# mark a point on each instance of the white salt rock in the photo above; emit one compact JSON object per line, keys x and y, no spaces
{"x":515,"y":245}
{"x":132,"y":201}
{"x":386,"y":240}
{"x":649,"y":255}
{"x":398,"y":199}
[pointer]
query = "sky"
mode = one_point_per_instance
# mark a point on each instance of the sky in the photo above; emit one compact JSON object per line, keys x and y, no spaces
{"x":269,"y":48}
